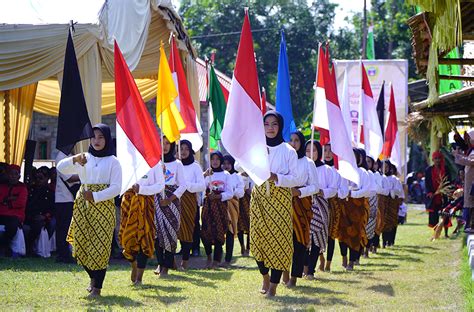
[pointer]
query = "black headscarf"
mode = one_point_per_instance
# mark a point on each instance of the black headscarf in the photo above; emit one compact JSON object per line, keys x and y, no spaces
{"x":363,"y":159}
{"x":230,"y":159}
{"x":108,"y":149}
{"x":221,"y":158}
{"x":170,"y":156}
{"x":302,"y":150}
{"x":388,"y":165}
{"x":330,"y":162}
{"x":373,"y":162}
{"x":319,"y":149}
{"x":190,"y":159}
{"x":279,"y":137}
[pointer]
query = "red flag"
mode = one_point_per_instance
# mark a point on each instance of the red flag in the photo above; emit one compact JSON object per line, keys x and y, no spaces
{"x":264,"y":101}
{"x":320,"y":116}
{"x":192,"y":131}
{"x":391,"y":146}
{"x":138,"y":142}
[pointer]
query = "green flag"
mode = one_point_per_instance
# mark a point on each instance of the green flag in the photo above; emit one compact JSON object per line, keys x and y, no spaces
{"x":216,"y":99}
{"x":446,"y":86}
{"x":370,"y":49}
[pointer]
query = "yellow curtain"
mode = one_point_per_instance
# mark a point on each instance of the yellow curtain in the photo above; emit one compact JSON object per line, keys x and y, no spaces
{"x":17,"y":110}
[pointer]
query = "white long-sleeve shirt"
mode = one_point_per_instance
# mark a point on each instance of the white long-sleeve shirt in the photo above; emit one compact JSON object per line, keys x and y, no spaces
{"x":97,"y":170}
{"x":194,"y":179}
{"x":327,"y":180}
{"x":365,"y":186}
{"x":397,"y":187}
{"x":220,"y":181}
{"x":248,"y":183}
{"x":385,"y":185}
{"x":307,"y":177}
{"x":343,"y":187}
{"x":374,"y":188}
{"x":174,"y":175}
{"x":153,"y":182}
{"x":283,"y":162}
{"x":238,"y":185}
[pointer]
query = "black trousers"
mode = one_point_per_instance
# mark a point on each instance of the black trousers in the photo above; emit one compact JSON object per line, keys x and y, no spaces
{"x":217,"y":250}
{"x":98,"y":276}
{"x":185,"y":250}
{"x":331,"y":247}
{"x":275,"y":275}
{"x":229,"y":246}
{"x":196,"y":233}
{"x":63,"y":220}
{"x":240,"y":235}
{"x":11,"y":224}
{"x":141,"y":259}
{"x":165,"y":258}
{"x":299,"y":255}
{"x":313,"y":256}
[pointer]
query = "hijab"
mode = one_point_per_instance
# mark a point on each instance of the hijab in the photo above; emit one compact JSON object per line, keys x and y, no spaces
{"x":108,"y":149}
{"x":279,"y":137}
{"x":302,"y":150}
{"x":319,"y":149}
{"x":330,"y":162}
{"x":190,"y":159}
{"x":232,"y":162}
{"x":170,"y":156}
{"x":373,"y":161}
{"x":363,"y":159}
{"x":221,"y":158}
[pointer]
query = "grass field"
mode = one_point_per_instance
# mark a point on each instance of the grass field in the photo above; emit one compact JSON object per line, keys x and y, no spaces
{"x":414,"y":275}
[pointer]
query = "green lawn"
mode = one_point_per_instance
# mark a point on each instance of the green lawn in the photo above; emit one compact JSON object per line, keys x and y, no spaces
{"x":415,"y":275}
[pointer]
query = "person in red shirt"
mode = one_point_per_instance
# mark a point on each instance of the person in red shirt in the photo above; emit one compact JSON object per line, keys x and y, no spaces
{"x":13,"y":197}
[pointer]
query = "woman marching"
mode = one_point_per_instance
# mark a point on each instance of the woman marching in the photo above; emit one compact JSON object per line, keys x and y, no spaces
{"x":355,"y":214}
{"x":244,"y":215}
{"x":271,"y":225}
{"x":376,"y":182}
{"x":137,"y":221}
{"x":382,"y":193}
{"x":93,"y":220}
{"x":397,"y":195}
{"x":195,"y":184}
{"x":302,"y":213}
{"x":215,"y":219}
{"x":168,"y":209}
{"x":233,"y":208}
{"x":327,"y":184}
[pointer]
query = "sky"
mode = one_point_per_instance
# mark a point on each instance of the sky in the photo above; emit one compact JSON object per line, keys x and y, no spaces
{"x":86,"y":11}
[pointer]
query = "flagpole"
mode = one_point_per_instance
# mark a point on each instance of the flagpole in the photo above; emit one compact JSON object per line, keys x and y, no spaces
{"x":208,"y":117}
{"x":316,"y":86}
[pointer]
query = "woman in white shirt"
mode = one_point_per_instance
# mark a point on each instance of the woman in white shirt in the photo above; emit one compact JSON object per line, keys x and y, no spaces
{"x":195,"y":184}
{"x":271,"y":225}
{"x":168,"y":209}
{"x":93,"y":219}
{"x":215,"y":219}
{"x":244,"y":215}
{"x":383,"y":192}
{"x":302,"y":213}
{"x":137,"y":221}
{"x":376,"y":185}
{"x":394,"y":201}
{"x":232,"y":207}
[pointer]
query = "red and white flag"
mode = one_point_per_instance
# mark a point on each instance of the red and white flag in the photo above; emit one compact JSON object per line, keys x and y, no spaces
{"x":192,"y":132}
{"x":331,"y":115}
{"x":243,"y":134}
{"x":370,"y":134}
{"x":138,"y":142}
{"x":264,"y":101}
{"x":320,"y":107}
{"x":391,"y":146}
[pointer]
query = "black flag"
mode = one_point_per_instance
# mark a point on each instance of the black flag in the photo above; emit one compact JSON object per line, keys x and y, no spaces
{"x":381,"y":108}
{"x":74,"y":124}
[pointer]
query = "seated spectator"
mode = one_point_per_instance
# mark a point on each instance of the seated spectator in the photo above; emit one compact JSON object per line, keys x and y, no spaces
{"x":40,"y":209}
{"x":455,"y":205}
{"x":13,"y":198}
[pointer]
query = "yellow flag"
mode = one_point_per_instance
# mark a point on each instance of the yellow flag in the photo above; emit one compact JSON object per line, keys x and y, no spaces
{"x":167,"y":114}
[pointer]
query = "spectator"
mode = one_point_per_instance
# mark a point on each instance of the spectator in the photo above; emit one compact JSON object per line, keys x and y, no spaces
{"x":40,"y":209}
{"x":65,"y":192}
{"x":402,"y":213}
{"x":13,"y":197}
{"x":436,"y":176}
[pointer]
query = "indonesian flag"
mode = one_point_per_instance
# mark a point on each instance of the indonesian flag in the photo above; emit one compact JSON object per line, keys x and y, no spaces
{"x":320,"y":109}
{"x":243,"y":134}
{"x":264,"y":101}
{"x":326,"y":97}
{"x":138,"y":142}
{"x":370,"y":134}
{"x":391,"y":146}
{"x":192,"y":131}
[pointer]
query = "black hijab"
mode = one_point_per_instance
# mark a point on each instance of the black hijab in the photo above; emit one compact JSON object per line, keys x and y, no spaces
{"x":363,"y":156}
{"x":388,"y":165}
{"x":279,"y":137}
{"x":221,"y":158}
{"x":330,"y":162}
{"x":190,"y":159}
{"x":302,"y":150}
{"x":108,"y":149}
{"x":319,"y":149}
{"x":232,"y":162}
{"x":170,"y":156}
{"x":373,"y":162}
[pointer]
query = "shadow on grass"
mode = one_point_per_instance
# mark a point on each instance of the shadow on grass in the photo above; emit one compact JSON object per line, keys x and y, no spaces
{"x":166,"y":300}
{"x":345,"y":281}
{"x":384,"y":289}
{"x":290,"y":300}
{"x":384,"y":266}
{"x":312,"y":290}
{"x":213,"y":274}
{"x":112,"y":301}
{"x":195,"y":281}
